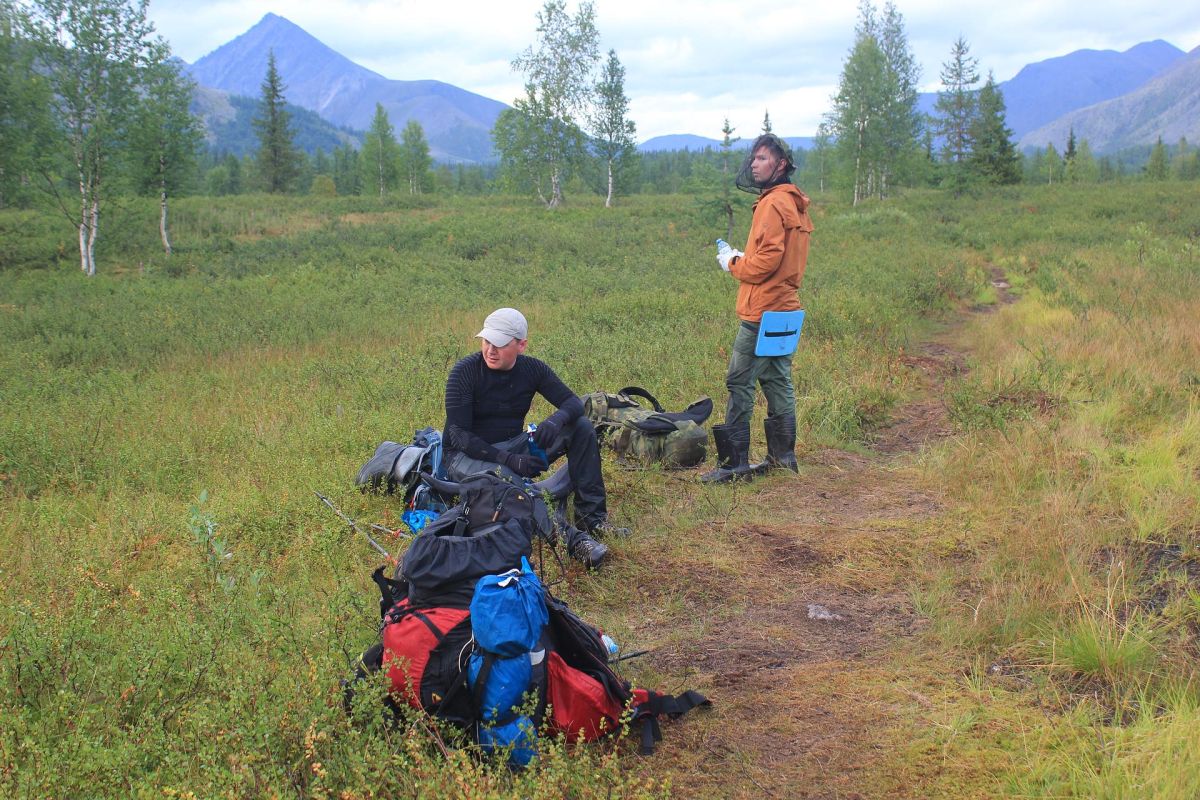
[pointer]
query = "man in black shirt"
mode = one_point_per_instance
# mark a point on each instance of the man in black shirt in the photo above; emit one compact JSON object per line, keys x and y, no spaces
{"x":488,"y":395}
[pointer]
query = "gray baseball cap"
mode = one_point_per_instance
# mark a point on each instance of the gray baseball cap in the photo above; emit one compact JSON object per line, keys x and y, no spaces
{"x":503,"y":325}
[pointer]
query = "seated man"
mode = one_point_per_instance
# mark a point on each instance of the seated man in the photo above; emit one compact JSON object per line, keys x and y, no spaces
{"x":488,"y":395}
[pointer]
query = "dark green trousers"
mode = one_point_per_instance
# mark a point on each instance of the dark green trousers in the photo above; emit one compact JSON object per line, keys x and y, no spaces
{"x":773,"y":373}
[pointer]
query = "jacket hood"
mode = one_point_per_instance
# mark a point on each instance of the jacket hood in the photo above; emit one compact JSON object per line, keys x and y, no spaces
{"x":790,"y":211}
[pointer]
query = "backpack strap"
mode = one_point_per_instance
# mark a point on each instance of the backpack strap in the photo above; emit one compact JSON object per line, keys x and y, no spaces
{"x":637,"y":391}
{"x":390,"y":591}
{"x":673,"y":706}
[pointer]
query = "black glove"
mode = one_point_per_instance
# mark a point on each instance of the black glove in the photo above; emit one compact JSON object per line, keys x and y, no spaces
{"x":547,"y":432}
{"x":526,"y":465}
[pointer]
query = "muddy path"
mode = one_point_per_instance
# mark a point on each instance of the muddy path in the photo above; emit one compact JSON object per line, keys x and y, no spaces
{"x":808,"y":643}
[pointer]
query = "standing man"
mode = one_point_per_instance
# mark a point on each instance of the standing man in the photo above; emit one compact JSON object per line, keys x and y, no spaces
{"x":769,"y":275}
{"x":488,"y":395}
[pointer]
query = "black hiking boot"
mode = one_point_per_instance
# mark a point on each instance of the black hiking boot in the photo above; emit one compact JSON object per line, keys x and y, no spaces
{"x":733,"y":455}
{"x":586,"y":550}
{"x":781,"y":443}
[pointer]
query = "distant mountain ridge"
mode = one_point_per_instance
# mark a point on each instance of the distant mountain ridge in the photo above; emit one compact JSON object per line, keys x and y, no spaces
{"x":1168,"y":106}
{"x":457,"y":123}
{"x":689,"y":141}
{"x":1113,"y":99}
{"x":1045,"y":91}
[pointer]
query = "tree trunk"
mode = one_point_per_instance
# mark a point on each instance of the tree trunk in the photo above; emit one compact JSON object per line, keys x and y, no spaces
{"x":91,"y":243}
{"x":83,"y":220}
{"x":162,"y":221}
{"x":728,"y":220}
{"x":608,"y":200}
{"x":555,"y":189}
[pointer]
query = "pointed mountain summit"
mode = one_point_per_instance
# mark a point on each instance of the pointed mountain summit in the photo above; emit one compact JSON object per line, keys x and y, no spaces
{"x":457,"y":123}
{"x":306,"y":64}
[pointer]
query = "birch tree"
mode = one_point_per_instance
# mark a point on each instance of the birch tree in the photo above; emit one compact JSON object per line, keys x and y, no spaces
{"x":558,"y":92}
{"x":165,"y":138}
{"x":380,"y":155}
{"x":414,"y":158}
{"x":611,"y":126}
{"x":94,"y":55}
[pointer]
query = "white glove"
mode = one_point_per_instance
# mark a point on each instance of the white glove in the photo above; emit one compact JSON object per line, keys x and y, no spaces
{"x":725,"y":254}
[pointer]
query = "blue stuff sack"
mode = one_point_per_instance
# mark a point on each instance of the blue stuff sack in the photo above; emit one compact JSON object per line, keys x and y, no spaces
{"x":508,"y":611}
{"x":506,"y":684}
{"x":519,"y":734}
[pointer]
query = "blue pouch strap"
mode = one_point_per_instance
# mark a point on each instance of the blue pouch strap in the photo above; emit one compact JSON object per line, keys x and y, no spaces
{"x":779,"y":333}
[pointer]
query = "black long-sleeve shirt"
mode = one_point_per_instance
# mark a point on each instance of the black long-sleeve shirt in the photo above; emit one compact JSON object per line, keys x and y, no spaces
{"x":486,"y":406}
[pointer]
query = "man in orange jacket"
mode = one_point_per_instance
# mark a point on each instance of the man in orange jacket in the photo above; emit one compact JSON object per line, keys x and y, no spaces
{"x":769,"y":275}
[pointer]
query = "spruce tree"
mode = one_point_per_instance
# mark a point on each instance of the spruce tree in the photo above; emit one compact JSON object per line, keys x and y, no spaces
{"x":278,"y":161}
{"x":993,"y":157}
{"x":956,"y":110}
{"x":1157,"y":166}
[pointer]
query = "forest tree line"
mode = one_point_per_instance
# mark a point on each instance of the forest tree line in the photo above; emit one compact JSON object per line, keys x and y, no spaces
{"x":93,"y":106}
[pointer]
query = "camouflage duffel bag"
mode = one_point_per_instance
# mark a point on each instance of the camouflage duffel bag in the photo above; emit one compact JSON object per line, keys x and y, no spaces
{"x":649,"y":435}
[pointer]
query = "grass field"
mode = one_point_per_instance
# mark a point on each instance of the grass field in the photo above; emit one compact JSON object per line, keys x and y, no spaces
{"x":1022,"y":590}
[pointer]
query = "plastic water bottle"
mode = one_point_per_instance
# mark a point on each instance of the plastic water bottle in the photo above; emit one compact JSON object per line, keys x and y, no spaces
{"x":611,"y":645}
{"x":722,"y":245}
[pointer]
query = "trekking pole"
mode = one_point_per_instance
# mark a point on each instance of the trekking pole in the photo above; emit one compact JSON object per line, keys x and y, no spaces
{"x":353,"y":525}
{"x":634,"y":654}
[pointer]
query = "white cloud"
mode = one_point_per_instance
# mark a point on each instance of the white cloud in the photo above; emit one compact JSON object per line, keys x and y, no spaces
{"x":688,"y":64}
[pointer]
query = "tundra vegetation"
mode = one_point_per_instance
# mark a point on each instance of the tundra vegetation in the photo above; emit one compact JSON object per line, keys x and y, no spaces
{"x":177,"y":609}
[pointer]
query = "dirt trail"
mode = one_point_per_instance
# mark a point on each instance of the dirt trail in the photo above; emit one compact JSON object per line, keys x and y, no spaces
{"x":803,"y":659}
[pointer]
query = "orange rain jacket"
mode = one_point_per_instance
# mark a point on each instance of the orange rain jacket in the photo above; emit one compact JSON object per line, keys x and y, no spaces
{"x":776,"y":253}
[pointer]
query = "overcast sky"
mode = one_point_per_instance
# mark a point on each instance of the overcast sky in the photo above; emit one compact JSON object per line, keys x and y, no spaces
{"x":689,"y":64}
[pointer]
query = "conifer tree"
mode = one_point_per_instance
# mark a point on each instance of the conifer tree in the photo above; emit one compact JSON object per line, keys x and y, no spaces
{"x":902,"y":121}
{"x":956,"y":109}
{"x":766,"y":125}
{"x":278,"y":161}
{"x":1156,"y":167}
{"x":993,"y":157}
{"x":611,"y":126}
{"x":727,"y":174}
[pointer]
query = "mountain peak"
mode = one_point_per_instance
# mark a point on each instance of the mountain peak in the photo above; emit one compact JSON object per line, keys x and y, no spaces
{"x":457,"y":123}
